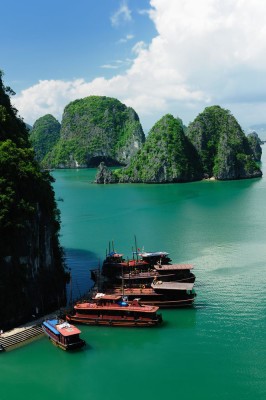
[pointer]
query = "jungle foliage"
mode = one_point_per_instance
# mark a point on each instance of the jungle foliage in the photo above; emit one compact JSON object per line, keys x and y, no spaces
{"x":28,"y":212}
{"x":44,"y":135}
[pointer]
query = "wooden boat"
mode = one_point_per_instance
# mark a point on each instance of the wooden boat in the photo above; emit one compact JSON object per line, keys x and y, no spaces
{"x":163,"y":294}
{"x":152,"y":258}
{"x":63,"y":334}
{"x":114,"y":310}
{"x":134,"y":278}
{"x":142,"y":271}
{"x":114,"y":263}
{"x":182,"y":272}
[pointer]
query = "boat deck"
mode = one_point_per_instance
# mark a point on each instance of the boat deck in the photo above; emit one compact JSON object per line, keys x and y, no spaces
{"x":172,"y":285}
{"x":175,"y":267}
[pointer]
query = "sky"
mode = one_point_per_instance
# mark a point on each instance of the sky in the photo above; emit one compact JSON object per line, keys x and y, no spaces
{"x":157,"y":56}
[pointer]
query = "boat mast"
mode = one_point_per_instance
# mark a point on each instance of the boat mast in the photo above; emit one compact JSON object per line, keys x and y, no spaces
{"x":136,"y":247}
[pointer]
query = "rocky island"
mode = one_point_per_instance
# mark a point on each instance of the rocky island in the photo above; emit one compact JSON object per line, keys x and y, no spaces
{"x":95,"y":129}
{"x":213,"y":146}
{"x":44,"y":135}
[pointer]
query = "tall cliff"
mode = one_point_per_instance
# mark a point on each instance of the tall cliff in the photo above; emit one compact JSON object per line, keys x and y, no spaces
{"x":166,"y":156}
{"x":44,"y":135}
{"x":32,"y":274}
{"x":224,"y":149}
{"x":255,"y":145}
{"x":96,"y":129}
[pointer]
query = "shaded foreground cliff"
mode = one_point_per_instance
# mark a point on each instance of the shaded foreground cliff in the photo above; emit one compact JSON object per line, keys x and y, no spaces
{"x":32,"y":273}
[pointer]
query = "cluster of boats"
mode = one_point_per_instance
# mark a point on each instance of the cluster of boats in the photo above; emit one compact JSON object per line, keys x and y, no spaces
{"x":151,"y":277}
{"x":127,"y":293}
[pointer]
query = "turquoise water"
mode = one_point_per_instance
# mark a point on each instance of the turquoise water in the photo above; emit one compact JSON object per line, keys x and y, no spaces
{"x":216,"y":350}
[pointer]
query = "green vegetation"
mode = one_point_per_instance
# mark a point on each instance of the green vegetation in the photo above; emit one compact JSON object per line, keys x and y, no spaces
{"x":30,"y":254}
{"x":44,"y":134}
{"x":166,"y":156}
{"x":222,"y":146}
{"x":255,"y":142}
{"x":94,"y":128}
{"x":213,"y":145}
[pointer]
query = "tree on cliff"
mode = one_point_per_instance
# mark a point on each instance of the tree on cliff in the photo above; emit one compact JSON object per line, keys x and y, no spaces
{"x":32,"y":270}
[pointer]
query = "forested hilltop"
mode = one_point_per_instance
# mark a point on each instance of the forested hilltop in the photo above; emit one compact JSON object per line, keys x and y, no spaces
{"x":167,"y":156}
{"x":213,"y":146}
{"x":32,"y":273}
{"x":93,"y":129}
{"x":44,"y":135}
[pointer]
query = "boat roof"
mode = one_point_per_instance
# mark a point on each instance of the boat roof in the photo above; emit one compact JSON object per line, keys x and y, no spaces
{"x":133,"y":305}
{"x":67,"y":329}
{"x":106,"y":296}
{"x":167,"y":267}
{"x":64,"y":328}
{"x":154,"y":254}
{"x":172,"y":285}
{"x":114,"y":254}
{"x":50,"y":324}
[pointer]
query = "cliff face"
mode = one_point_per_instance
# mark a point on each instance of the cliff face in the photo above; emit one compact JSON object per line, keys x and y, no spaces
{"x":222,"y":145}
{"x":97,"y":129}
{"x":44,"y":135}
{"x":32,"y":274}
{"x":167,"y":156}
{"x":255,"y":145}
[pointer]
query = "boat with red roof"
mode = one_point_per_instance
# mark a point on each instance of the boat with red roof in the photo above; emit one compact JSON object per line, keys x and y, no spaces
{"x":114,"y":310}
{"x":63,"y":334}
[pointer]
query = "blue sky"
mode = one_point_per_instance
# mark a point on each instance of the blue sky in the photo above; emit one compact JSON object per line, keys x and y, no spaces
{"x":62,"y":39}
{"x":157,"y":56}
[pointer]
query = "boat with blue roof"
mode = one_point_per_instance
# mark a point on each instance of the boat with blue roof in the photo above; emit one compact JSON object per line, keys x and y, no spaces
{"x":63,"y":334}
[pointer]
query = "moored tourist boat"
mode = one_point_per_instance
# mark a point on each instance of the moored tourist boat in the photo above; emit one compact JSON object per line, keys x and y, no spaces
{"x":63,"y":334}
{"x":163,"y":295}
{"x":135,"y":278}
{"x":141,"y":271}
{"x":114,"y":310}
{"x":181,"y":272}
{"x":152,"y":258}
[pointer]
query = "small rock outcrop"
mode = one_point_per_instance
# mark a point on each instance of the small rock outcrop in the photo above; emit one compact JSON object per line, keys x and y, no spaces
{"x":105,"y":175}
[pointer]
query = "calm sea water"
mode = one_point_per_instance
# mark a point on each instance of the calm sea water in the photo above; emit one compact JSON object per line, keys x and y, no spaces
{"x":214,"y":351}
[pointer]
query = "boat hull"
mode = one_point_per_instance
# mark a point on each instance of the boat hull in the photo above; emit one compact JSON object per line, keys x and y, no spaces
{"x":102,"y":321}
{"x":148,"y":296}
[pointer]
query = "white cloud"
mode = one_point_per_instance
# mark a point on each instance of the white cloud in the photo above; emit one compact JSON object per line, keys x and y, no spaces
{"x":123,"y":14}
{"x":138,"y":47}
{"x":206,"y":52}
{"x":126,"y":38}
{"x":109,"y":66}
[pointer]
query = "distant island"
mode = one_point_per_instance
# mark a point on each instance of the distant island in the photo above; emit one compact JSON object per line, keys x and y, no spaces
{"x":213,"y":146}
{"x":93,"y":129}
{"x":99,"y":130}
